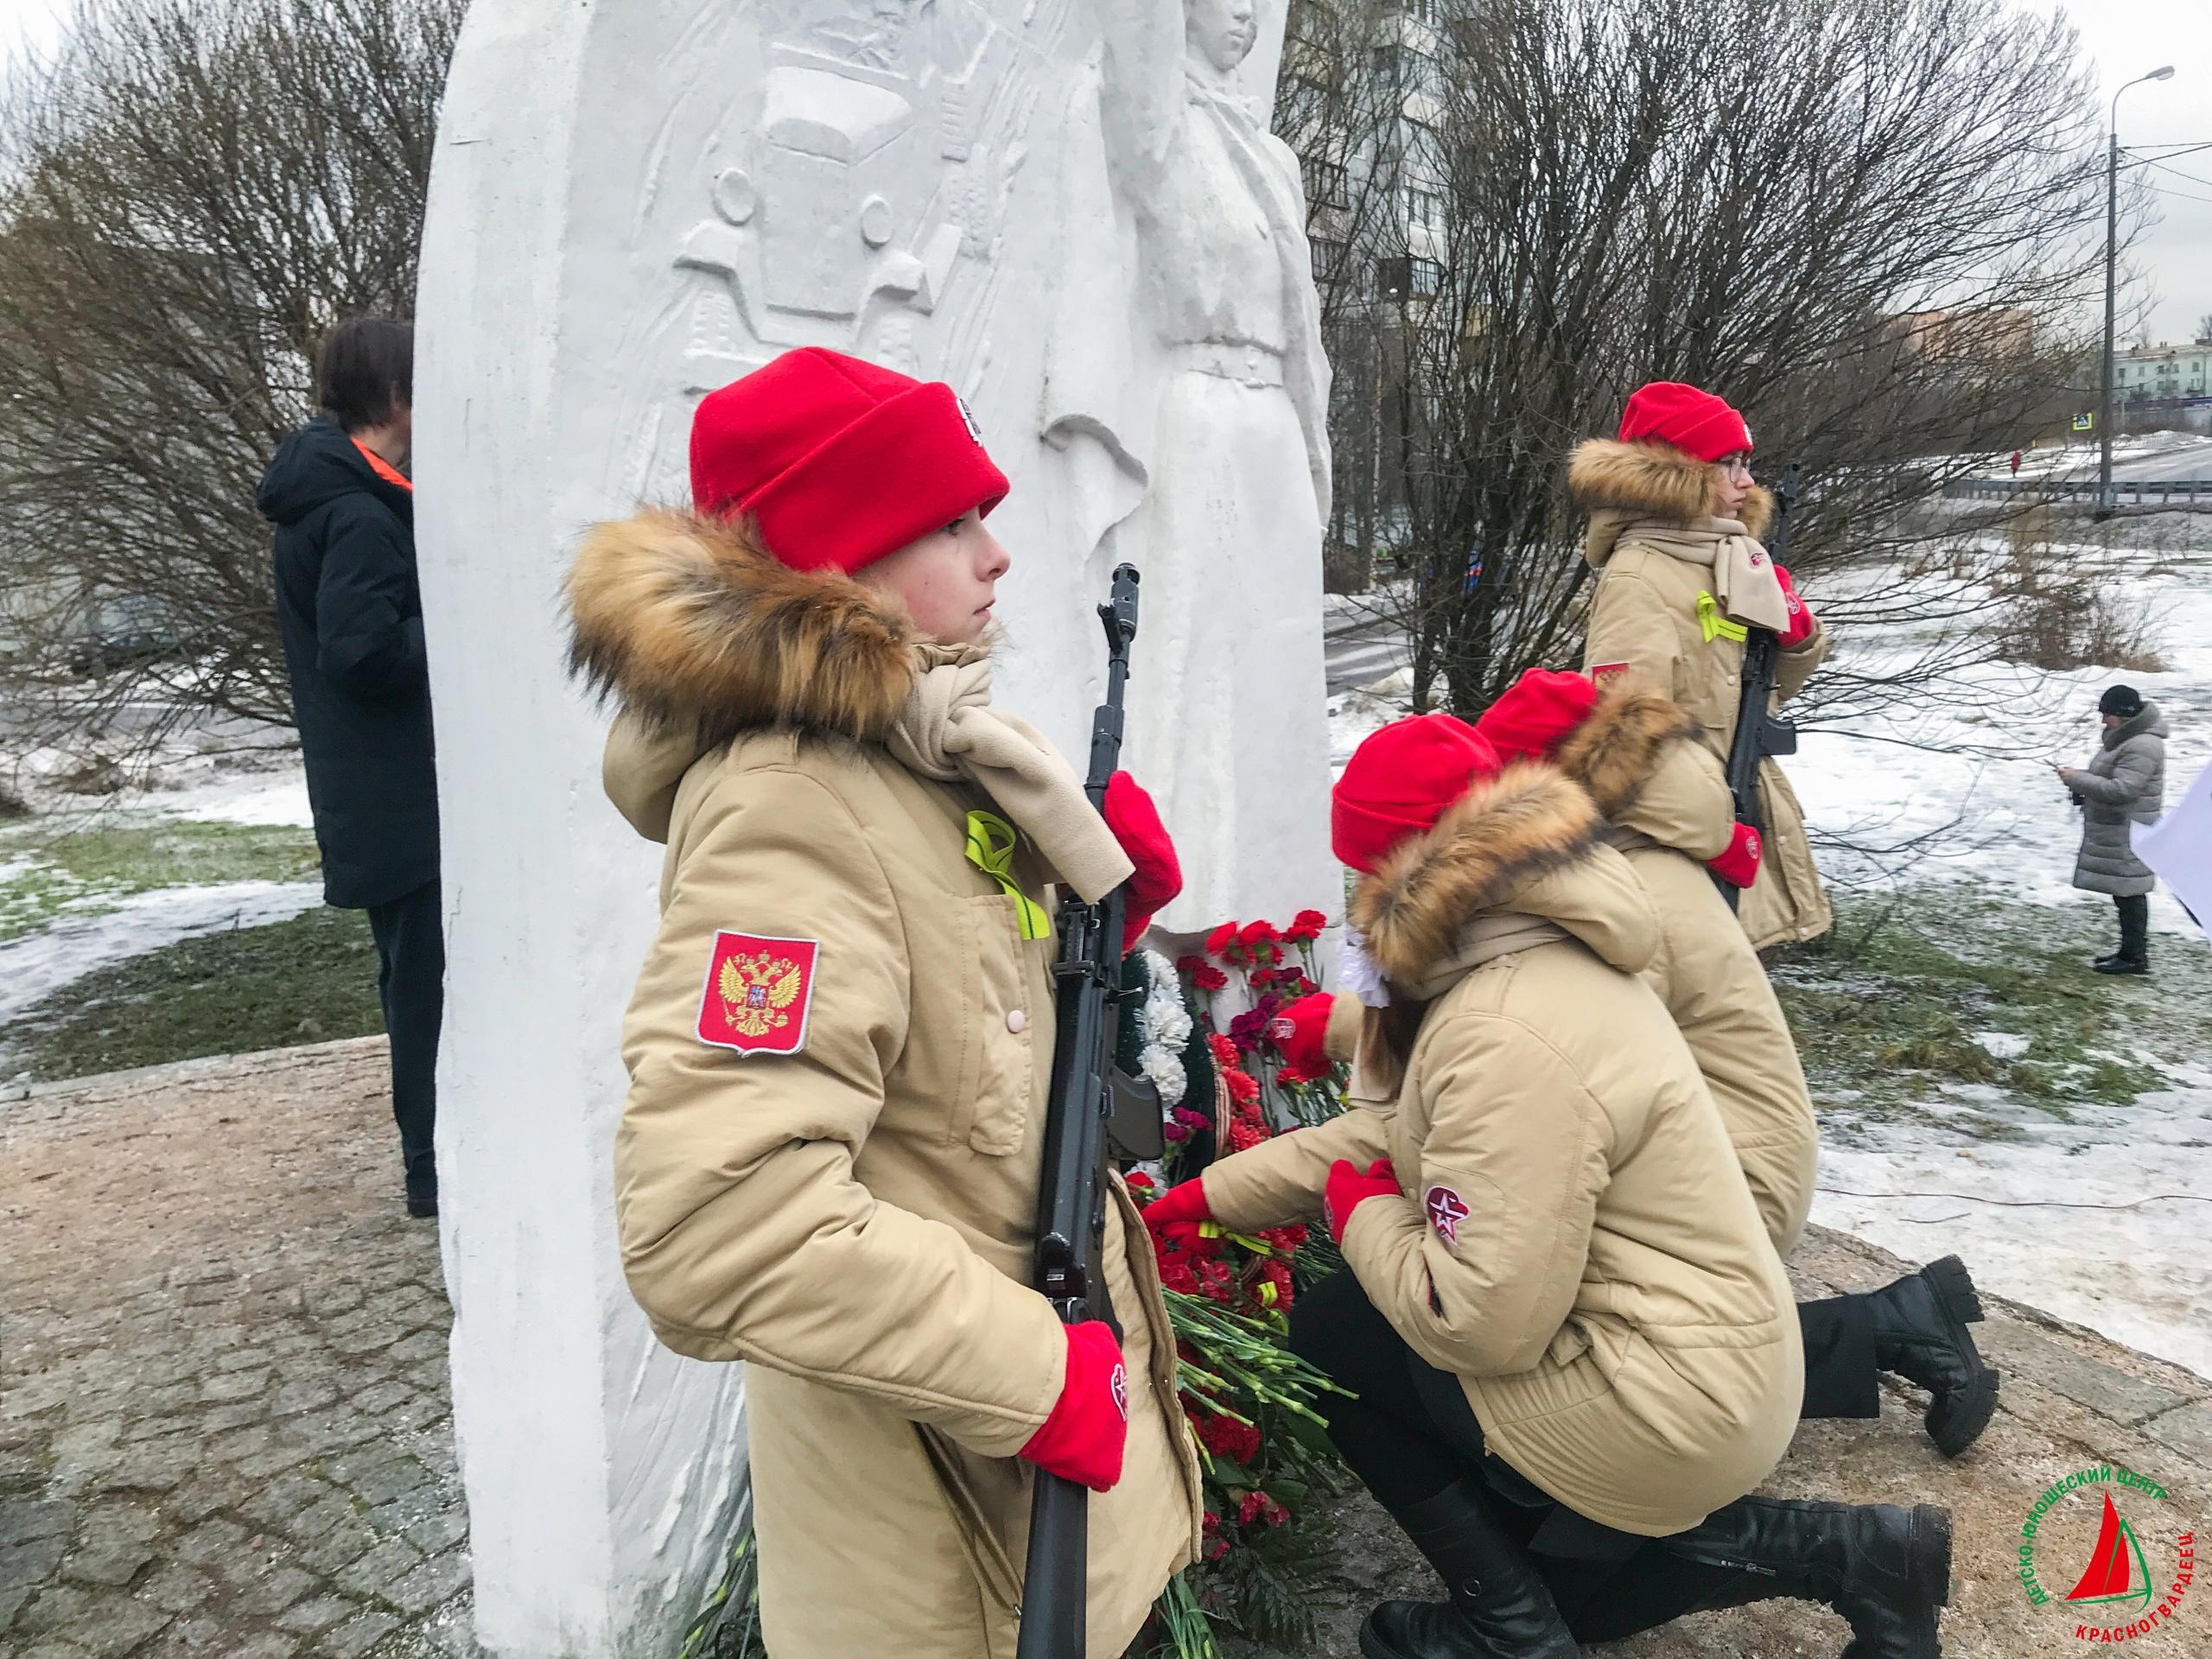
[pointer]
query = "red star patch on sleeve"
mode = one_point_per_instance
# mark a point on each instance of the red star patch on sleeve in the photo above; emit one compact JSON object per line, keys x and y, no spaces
{"x":757,"y":993}
{"x":1446,"y":1209}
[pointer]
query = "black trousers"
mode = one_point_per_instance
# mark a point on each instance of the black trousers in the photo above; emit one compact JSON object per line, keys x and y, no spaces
{"x":1841,"y":1377}
{"x":1411,"y":1433}
{"x":2134,"y":925}
{"x":411,"y":984}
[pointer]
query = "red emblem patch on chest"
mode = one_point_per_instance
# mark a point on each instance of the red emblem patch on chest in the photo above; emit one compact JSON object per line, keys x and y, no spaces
{"x":758,"y":993}
{"x":1446,"y":1209}
{"x":1605,"y":672}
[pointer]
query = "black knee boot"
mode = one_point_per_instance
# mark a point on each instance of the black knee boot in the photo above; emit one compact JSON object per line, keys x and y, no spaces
{"x":2133,"y":956}
{"x":1920,"y":1333}
{"x":1885,"y":1569}
{"x":1500,"y":1609}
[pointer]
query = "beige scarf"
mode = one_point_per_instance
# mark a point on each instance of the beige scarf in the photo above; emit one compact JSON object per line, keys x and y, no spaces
{"x":1743,"y":576}
{"x":948,"y":731}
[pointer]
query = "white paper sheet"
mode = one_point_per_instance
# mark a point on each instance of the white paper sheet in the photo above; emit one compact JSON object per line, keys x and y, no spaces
{"x":2179,"y":848}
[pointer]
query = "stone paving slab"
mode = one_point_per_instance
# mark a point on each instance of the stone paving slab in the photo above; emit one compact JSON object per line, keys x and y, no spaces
{"x":224,"y":1414}
{"x":224,"y":1428}
{"x":2070,"y":1399}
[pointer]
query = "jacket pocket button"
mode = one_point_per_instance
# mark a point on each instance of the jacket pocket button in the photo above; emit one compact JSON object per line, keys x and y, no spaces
{"x":1016,"y":1021}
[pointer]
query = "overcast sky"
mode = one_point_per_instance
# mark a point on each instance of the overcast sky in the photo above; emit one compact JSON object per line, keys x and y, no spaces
{"x":2124,"y":38}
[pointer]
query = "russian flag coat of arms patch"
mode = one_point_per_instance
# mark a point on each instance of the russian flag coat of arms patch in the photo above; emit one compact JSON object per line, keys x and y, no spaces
{"x":758,"y":993}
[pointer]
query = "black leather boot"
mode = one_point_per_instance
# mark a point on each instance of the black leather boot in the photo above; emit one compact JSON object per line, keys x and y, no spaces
{"x":1886,"y":1569}
{"x":2133,"y":956}
{"x":1920,"y":1333}
{"x":422,"y":1186}
{"x":1500,"y":1608}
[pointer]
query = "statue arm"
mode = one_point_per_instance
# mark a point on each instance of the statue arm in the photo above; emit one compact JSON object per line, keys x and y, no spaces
{"x":1141,"y":85}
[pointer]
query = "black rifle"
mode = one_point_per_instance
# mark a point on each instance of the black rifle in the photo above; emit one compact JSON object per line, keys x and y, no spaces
{"x":1071,"y":1205}
{"x":1759,"y":732}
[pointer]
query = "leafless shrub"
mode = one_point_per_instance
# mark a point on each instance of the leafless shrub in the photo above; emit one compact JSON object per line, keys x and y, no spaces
{"x":2059,"y":612}
{"x":191,"y":192}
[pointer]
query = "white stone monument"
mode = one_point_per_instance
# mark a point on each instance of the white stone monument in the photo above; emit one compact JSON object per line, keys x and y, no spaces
{"x":630,"y":206}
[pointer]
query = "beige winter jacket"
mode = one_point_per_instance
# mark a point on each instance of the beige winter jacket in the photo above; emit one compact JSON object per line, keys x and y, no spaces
{"x":1668,"y":801}
{"x":1574,"y":1240}
{"x":834,"y":1176}
{"x":1652,"y":538}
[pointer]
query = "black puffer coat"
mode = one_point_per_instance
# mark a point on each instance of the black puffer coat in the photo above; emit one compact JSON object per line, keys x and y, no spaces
{"x":352,"y":621}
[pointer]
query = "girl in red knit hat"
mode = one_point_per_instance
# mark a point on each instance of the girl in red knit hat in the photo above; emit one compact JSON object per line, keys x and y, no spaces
{"x":1674,"y":522}
{"x":841,"y":1039}
{"x":1570,"y":1342}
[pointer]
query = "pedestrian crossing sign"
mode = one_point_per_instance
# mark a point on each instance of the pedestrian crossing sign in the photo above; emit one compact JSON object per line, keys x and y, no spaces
{"x":2083,"y":423}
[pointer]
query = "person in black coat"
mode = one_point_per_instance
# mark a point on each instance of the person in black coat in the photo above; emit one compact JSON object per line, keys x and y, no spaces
{"x":351,"y":617}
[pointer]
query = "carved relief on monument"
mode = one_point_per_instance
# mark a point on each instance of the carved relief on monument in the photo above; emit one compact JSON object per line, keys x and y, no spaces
{"x":855,"y":197}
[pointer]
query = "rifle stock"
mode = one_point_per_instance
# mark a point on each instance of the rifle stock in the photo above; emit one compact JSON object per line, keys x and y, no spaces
{"x":1071,"y":1202}
{"x":1759,"y":732}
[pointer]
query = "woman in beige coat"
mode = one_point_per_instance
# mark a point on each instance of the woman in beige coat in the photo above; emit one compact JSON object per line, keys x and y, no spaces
{"x":1674,"y":522}
{"x":1570,"y":1337}
{"x":840,"y":1042}
{"x":1664,"y":795}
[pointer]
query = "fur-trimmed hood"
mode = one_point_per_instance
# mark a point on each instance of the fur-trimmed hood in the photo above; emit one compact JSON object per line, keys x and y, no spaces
{"x":695,"y":631}
{"x":1528,"y":843}
{"x":1617,"y":746}
{"x":1623,"y":484}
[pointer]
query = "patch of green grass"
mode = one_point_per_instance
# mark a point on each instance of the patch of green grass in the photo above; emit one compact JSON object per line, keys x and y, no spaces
{"x":1886,"y":1009}
{"x":46,"y":867}
{"x":310,"y":980}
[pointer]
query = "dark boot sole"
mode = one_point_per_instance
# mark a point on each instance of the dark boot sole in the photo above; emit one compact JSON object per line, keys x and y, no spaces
{"x":1373,"y":1645}
{"x":1955,"y":1420}
{"x":1928,"y":1584}
{"x":2120,"y":968}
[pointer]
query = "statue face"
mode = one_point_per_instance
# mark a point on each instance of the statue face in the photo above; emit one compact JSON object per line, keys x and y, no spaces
{"x":1221,"y":31}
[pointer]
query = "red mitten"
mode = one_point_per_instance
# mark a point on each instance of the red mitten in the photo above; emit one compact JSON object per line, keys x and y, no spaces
{"x":1739,"y":866}
{"x":1800,"y":616}
{"x":1348,"y":1189}
{"x":1089,"y":1430}
{"x":1185,"y":1201}
{"x":1301,"y":1031}
{"x":1158,"y":877}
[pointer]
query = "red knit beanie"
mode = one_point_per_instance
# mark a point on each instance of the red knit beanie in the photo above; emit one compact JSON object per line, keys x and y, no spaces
{"x":1536,"y":713}
{"x":1399,"y":783}
{"x":1696,"y":423}
{"x":839,"y":461}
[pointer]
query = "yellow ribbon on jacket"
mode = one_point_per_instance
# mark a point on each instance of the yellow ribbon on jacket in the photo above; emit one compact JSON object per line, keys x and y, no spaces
{"x":1713,"y":622}
{"x":991,"y":842}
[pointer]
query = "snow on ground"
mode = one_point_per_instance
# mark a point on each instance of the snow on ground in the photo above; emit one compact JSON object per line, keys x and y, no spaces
{"x":2103,"y":1220}
{"x":277,"y":797}
{"x":72,"y":947}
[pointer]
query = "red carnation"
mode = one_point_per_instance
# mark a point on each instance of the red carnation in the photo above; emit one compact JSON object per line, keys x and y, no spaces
{"x":1258,"y":1506}
{"x":1202,"y":974}
{"x":1221,"y":939}
{"x":1305,"y":927}
{"x":1227,"y":1438}
{"x":1137,"y":1180}
{"x":1224,"y":1051}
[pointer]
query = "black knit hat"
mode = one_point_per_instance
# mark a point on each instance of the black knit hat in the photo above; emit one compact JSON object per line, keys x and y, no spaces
{"x":2122,"y":700}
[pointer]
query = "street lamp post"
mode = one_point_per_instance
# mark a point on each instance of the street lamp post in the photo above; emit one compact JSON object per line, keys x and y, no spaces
{"x":2112,"y":289}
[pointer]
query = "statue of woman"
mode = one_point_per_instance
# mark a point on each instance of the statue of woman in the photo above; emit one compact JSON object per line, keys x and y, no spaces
{"x":1186,"y":390}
